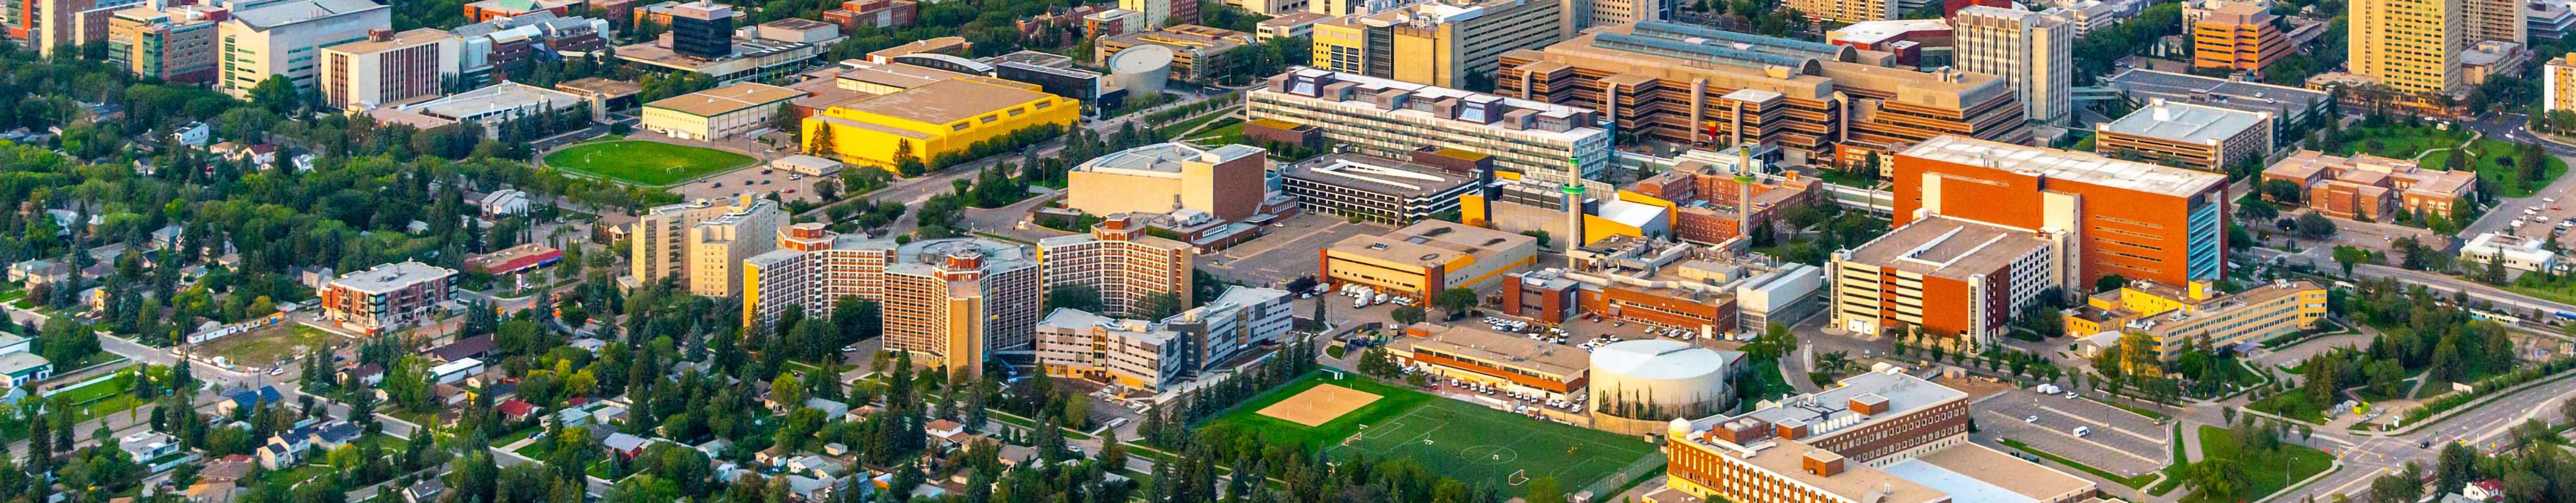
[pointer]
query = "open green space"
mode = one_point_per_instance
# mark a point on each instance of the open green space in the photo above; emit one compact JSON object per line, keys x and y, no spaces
{"x":2491,"y":158}
{"x":265,"y":346}
{"x":645,"y":162}
{"x":100,"y":398}
{"x":2267,"y":475}
{"x":1472,"y":443}
{"x":2293,"y":405}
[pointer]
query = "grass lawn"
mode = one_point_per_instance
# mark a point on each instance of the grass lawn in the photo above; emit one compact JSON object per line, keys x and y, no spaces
{"x":2291,"y":405}
{"x":516,"y":436}
{"x":2398,"y":141}
{"x":1225,"y":132}
{"x":12,"y":295}
{"x":2269,"y":477}
{"x":1175,"y":129}
{"x":1469,"y":442}
{"x":2489,"y":154}
{"x":645,"y":162}
{"x":299,"y":474}
{"x":1335,"y":352}
{"x":1016,"y":420}
{"x":267,"y":345}
{"x":2132,"y":482}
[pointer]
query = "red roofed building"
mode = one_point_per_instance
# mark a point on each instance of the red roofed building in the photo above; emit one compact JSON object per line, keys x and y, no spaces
{"x":516,"y":410}
{"x":515,"y":259}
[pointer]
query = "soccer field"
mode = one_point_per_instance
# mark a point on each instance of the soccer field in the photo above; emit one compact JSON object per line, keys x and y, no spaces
{"x":645,"y":162}
{"x":1466,"y":441}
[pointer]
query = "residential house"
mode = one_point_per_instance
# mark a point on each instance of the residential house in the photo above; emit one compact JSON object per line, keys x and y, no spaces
{"x":466,"y":348}
{"x":426,"y":491}
{"x":626,"y":446}
{"x":39,"y":272}
{"x":516,"y":410}
{"x":147,"y":446}
{"x":240,"y":398}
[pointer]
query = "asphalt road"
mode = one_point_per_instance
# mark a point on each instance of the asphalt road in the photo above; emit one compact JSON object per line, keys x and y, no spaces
{"x":2365,"y":457}
{"x":2321,"y":259}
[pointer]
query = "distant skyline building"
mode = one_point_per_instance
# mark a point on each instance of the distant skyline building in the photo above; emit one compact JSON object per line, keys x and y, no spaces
{"x":2033,"y":51}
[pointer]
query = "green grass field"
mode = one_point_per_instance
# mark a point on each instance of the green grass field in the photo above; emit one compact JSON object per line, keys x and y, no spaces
{"x":645,"y":162}
{"x":2264,"y":478}
{"x":1469,"y":442}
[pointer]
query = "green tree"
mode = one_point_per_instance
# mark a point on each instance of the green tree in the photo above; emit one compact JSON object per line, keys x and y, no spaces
{"x":1408,"y":315}
{"x":2347,"y":256}
{"x":1454,"y":301}
{"x":277,"y":94}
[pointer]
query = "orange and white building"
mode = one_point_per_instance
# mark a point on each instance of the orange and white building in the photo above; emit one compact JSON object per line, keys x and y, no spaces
{"x":1952,"y":277}
{"x":948,"y":302}
{"x":1121,"y":262}
{"x":2131,"y":219}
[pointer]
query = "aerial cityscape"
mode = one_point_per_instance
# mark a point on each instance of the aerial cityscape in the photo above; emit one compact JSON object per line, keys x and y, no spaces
{"x":1287,"y":251}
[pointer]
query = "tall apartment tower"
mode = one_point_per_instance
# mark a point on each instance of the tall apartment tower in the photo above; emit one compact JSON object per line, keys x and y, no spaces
{"x":1118,"y":260}
{"x":1580,"y":14}
{"x":2409,"y":45}
{"x":1848,"y":11}
{"x":1437,"y":43}
{"x":703,"y":29}
{"x":2033,"y":51}
{"x":52,"y":25}
{"x":286,"y":38}
{"x":702,"y":242}
{"x":2500,"y":20}
{"x":388,"y":67}
{"x":1162,"y":13}
{"x":2558,"y":84}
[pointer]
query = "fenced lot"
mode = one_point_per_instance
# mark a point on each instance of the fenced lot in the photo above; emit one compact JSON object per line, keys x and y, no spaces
{"x":1466,"y":441}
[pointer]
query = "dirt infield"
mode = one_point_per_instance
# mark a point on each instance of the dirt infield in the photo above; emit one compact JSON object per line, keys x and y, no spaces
{"x":1319,"y":405}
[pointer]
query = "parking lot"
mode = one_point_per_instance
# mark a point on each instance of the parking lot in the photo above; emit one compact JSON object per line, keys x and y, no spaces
{"x":1288,"y":252}
{"x":2117,"y":440}
{"x":2545,"y":219}
{"x":758,"y":179}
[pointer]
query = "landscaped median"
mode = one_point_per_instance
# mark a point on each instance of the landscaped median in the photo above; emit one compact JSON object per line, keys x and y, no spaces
{"x":2132,"y":482}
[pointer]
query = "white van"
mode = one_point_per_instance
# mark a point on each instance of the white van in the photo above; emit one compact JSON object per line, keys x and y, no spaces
{"x":2081,"y":431}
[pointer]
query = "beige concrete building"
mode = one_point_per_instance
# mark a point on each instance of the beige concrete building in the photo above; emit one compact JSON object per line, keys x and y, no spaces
{"x":1226,"y":181}
{"x":948,"y":302}
{"x":286,"y":38}
{"x":2199,"y":137}
{"x":701,"y":242}
{"x":2410,"y":46}
{"x":1436,"y":43}
{"x":1134,"y":354}
{"x":1118,"y":260}
{"x":2497,"y":20}
{"x":2179,"y":318}
{"x":1389,"y":118}
{"x":719,"y":113}
{"x":388,"y":67}
{"x":2033,"y":51}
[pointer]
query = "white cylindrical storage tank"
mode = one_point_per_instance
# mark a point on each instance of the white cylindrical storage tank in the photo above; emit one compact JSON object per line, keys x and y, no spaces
{"x":1142,"y":69}
{"x":1658,"y":380}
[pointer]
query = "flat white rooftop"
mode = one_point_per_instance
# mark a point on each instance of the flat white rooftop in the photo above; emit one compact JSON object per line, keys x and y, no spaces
{"x":2064,"y":165}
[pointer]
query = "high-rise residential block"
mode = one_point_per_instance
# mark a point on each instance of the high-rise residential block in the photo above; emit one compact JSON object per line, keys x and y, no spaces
{"x":2123,"y":218}
{"x":1127,"y":268}
{"x":701,"y":242}
{"x":175,"y":44}
{"x":948,"y":302}
{"x":2497,"y":20}
{"x":1227,"y":181}
{"x":1387,"y":118}
{"x":2411,"y":46}
{"x":286,"y":39}
{"x":2558,"y":83}
{"x":388,"y":67}
{"x":1162,"y":13}
{"x":702,"y":29}
{"x":2033,"y":51}
{"x":1436,"y":43}
{"x":1847,"y":11}
{"x":387,"y":296}
{"x":2238,"y":36}
{"x":1819,"y":102}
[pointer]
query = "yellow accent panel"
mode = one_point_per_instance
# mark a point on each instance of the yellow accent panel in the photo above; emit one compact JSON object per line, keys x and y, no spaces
{"x":1634,"y":197}
{"x":750,"y":292}
{"x":1471,"y":210}
{"x":1595,"y":228}
{"x":1507,"y":175}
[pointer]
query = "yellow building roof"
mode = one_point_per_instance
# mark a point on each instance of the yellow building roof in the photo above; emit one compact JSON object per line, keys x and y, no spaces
{"x":947,"y":101}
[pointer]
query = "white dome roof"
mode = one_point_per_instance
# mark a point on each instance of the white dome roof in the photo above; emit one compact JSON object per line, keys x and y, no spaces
{"x":1657,"y":359}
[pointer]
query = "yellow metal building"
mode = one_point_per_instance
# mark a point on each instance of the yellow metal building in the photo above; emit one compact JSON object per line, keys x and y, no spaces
{"x":2178,"y":318}
{"x":938,"y":118}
